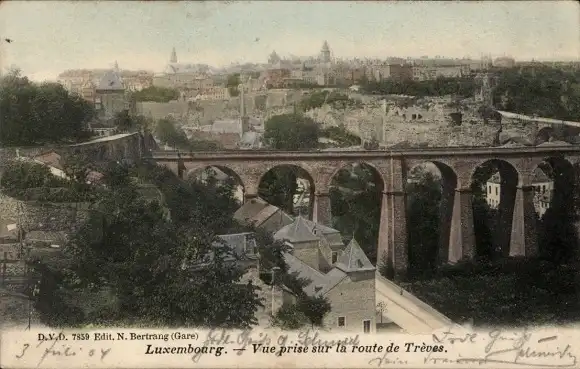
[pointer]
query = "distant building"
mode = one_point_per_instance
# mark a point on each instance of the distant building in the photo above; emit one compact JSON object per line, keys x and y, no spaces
{"x":110,"y":97}
{"x":275,"y":78}
{"x":504,"y":62}
{"x":543,"y":189}
{"x":325,"y":56}
{"x":394,"y":72}
{"x":183,"y":76}
{"x":273,"y":58}
{"x":426,"y":73}
{"x":213,"y":93}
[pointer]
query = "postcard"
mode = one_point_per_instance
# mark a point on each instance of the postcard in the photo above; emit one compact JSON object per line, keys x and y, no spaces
{"x":289,"y":184}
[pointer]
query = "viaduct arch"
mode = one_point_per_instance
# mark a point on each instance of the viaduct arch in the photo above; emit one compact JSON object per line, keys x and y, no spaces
{"x":457,"y":165}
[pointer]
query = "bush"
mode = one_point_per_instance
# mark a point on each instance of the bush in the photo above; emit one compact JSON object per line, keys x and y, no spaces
{"x":289,"y":317}
{"x":314,"y":308}
{"x":341,"y":136}
{"x":524,"y":291}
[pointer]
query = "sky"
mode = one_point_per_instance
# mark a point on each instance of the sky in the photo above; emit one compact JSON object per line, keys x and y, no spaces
{"x":50,"y":37}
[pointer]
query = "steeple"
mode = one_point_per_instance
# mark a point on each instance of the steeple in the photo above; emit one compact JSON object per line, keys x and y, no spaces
{"x":116,"y":67}
{"x":325,"y":53}
{"x":173,"y":58}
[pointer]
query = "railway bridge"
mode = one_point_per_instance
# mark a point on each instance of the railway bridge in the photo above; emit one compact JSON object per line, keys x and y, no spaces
{"x":456,"y":164}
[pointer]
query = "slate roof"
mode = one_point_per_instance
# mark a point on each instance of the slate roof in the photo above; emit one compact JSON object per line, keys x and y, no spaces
{"x":299,"y":231}
{"x":539,"y":177}
{"x":353,"y":259}
{"x":309,"y":228}
{"x":249,"y":210}
{"x":320,"y":283}
{"x":495,"y":178}
{"x":111,"y":81}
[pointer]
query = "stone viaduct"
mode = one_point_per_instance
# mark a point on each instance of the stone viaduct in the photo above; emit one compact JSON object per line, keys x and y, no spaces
{"x":457,"y":167}
{"x":543,"y":129}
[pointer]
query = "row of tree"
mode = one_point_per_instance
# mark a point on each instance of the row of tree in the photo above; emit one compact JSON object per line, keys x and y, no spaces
{"x":463,"y":87}
{"x":296,"y":131}
{"x":539,"y":90}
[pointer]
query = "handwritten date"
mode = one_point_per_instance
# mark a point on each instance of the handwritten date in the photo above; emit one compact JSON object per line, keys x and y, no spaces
{"x":60,"y":350}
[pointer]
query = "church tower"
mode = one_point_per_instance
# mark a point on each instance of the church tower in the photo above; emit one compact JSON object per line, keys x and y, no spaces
{"x":173,"y":58}
{"x":325,"y":53}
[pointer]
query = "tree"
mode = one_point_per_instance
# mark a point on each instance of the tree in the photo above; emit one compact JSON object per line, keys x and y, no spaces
{"x":278,"y":187}
{"x":144,"y":268}
{"x":423,"y":203}
{"x":169,"y":133}
{"x":291,"y":132}
{"x":33,"y":114}
{"x":462,"y":87}
{"x":539,"y":90}
{"x":340,"y":136}
{"x":126,"y":122}
{"x":319,"y":98}
{"x":314,"y":308}
{"x":289,"y":317}
{"x":233,"y":83}
{"x":356,"y":206}
{"x":23,"y":175}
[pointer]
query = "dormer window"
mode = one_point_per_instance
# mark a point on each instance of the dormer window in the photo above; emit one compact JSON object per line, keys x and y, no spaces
{"x":334,"y":257}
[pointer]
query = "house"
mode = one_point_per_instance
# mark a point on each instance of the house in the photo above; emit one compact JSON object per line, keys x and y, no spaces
{"x":347,"y":282}
{"x":260,"y":214}
{"x":8,"y":230}
{"x":543,"y":191}
{"x":316,"y":245}
{"x":54,"y":162}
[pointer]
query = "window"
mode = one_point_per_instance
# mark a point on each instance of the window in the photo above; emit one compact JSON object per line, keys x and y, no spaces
{"x":496,"y":191}
{"x":334,"y":257}
{"x":341,"y":321}
{"x":366,"y":326}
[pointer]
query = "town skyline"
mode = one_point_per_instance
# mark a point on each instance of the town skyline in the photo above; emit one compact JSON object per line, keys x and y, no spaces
{"x":220,"y":34}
